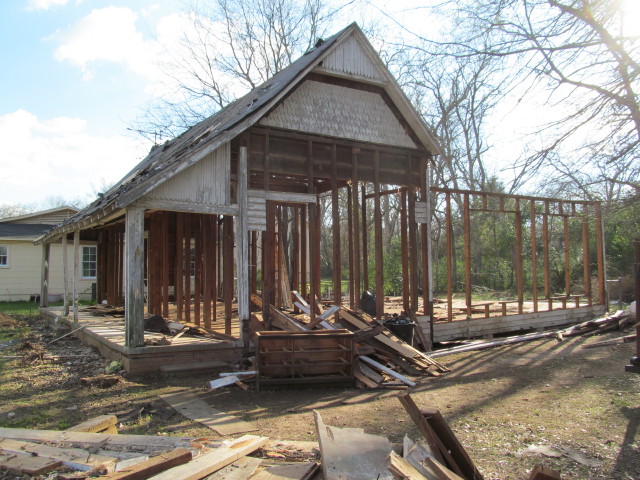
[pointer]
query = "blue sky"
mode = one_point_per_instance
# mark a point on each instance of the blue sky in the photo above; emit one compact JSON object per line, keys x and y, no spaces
{"x":75,"y":75}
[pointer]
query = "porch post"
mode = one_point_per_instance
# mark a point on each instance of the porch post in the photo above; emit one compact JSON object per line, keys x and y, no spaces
{"x":242,"y":250}
{"x":76,"y":272}
{"x":134,"y":277}
{"x":65,"y":274}
{"x":44,"y":275}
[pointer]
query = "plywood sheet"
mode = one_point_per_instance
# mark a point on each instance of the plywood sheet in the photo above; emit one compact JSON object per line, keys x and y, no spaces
{"x":195,"y":408}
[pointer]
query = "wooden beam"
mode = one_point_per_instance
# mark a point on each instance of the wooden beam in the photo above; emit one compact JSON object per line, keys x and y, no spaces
{"x":152,"y":466}
{"x":134,"y":300}
{"x":242,"y":247}
{"x":65,"y":275}
{"x":335,"y":226}
{"x":404,"y":254}
{"x":187,"y":264}
{"x":314,"y":234}
{"x":352,"y":287}
{"x":207,"y":223}
{"x":545,"y":253}
{"x":365,"y":241}
{"x":165,"y":263}
{"x":412,"y":240}
{"x":602,"y":284}
{"x":197,"y":288}
{"x":586,"y":258}
{"x":179,"y":276}
{"x":44,"y":275}
{"x":534,"y":255}
{"x":519,"y":266}
{"x":567,"y":257}
{"x":449,"y":259}
{"x":378,"y":238}
{"x":227,"y":224}
{"x":467,"y":252}
{"x":76,"y":272}
{"x":356,"y":228}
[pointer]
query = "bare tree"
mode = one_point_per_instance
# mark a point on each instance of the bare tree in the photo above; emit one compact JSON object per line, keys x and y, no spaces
{"x":581,"y":52}
{"x":231,"y":47}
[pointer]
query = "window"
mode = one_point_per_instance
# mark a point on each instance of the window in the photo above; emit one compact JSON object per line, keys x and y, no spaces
{"x":4,"y":256}
{"x":89,"y":256}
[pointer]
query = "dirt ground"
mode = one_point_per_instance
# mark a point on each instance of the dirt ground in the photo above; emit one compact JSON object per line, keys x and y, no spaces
{"x":570,"y":408}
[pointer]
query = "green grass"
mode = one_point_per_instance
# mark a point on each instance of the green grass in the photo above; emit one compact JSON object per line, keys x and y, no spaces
{"x":21,"y":308}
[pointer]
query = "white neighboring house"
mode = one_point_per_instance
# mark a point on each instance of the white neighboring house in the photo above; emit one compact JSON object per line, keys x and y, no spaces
{"x":21,"y":260}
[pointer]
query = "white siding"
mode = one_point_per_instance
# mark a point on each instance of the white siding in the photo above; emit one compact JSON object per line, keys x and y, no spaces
{"x":22,"y":279}
{"x":46,"y":218}
{"x":337,"y":111}
{"x":207,"y":182}
{"x":352,"y":60}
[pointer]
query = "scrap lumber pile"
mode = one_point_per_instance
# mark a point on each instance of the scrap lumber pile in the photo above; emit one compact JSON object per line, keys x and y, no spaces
{"x":352,"y":454}
{"x":382,"y":360}
{"x":598,"y":326}
{"x":75,"y":455}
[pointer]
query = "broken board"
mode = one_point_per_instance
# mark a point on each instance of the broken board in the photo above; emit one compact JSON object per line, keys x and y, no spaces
{"x":195,"y":408}
{"x":352,"y":454}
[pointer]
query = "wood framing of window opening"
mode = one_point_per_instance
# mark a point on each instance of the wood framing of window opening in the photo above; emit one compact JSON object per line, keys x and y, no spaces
{"x":552,"y":218}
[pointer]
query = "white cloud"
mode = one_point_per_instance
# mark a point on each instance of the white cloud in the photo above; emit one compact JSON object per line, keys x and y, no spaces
{"x":57,"y":157}
{"x":108,"y":35}
{"x":45,"y":4}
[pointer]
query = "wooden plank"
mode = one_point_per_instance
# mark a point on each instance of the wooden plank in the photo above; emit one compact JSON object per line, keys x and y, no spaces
{"x":403,"y":470}
{"x":519,"y":265}
{"x":291,"y":471}
{"x":152,"y":466}
{"x":23,"y":463}
{"x":95,"y":424}
{"x":350,"y":453}
{"x":443,"y":472}
{"x":197,"y":288}
{"x":449,"y":254}
{"x":134,"y":302}
{"x":227,"y":260}
{"x":284,"y":321}
{"x":195,"y":408}
{"x":323,"y":316}
{"x":540,"y":472}
{"x":377,"y":226}
{"x":76,"y":272}
{"x":404,"y":250}
{"x":452,"y":444}
{"x":335,"y":227}
{"x":393,"y":373}
{"x":144,"y":443}
{"x":179,"y":274}
{"x":75,"y":458}
{"x":241,"y":469}
{"x":242,"y":246}
{"x":214,"y":460}
{"x":395,"y":346}
{"x":356,"y":226}
{"x":415,"y":454}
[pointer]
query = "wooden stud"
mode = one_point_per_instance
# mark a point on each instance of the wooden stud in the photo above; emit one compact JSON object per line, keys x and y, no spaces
{"x":412,"y":243}
{"x":296,"y":249}
{"x":165,"y":263}
{"x":404,"y":250}
{"x":303,"y":251}
{"x":449,"y":257}
{"x":365,"y":241}
{"x":65,"y":275}
{"x":545,"y":253}
{"x":356,"y":228}
{"x":534,"y":260}
{"x":567,"y":260}
{"x":335,"y":225}
{"x":602,"y":287}
{"x":254,"y":262}
{"x":206,"y":270}
{"x":44,"y":275}
{"x":179,"y":268}
{"x":467,"y":252}
{"x":519,"y":267}
{"x":378,"y":238}
{"x":227,"y":260}
{"x":314,"y":235}
{"x":350,"y":248}
{"x":585,"y":254}
{"x":197,"y":289}
{"x":187,"y":265}
{"x":213,"y":284}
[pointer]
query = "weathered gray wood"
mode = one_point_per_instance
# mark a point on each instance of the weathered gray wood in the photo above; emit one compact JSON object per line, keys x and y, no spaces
{"x":214,"y":460}
{"x":23,"y":463}
{"x":242,"y":246}
{"x":134,"y":281}
{"x":384,"y":369}
{"x":195,"y":408}
{"x":144,"y":443}
{"x":176,"y":206}
{"x":288,"y":197}
{"x":76,"y":272}
{"x":351,"y":454}
{"x":241,"y":469}
{"x":44,"y":275}
{"x":65,"y":274}
{"x":404,"y":470}
{"x":290,"y":471}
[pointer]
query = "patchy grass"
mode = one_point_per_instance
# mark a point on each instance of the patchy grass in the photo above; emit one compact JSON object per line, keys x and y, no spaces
{"x":21,"y":308}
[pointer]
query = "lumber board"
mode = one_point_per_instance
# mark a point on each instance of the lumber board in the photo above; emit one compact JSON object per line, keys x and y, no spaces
{"x":213,"y":460}
{"x":350,"y":453}
{"x":144,"y":443}
{"x":241,"y":469}
{"x":540,"y":472}
{"x":284,"y":321}
{"x":442,"y":429}
{"x":443,"y":472}
{"x":157,"y":464}
{"x":290,"y":471}
{"x":415,"y":454}
{"x":76,"y":458}
{"x":195,"y":408}
{"x":95,"y":424}
{"x":401,"y":469}
{"x":382,"y":368}
{"x":24,"y":463}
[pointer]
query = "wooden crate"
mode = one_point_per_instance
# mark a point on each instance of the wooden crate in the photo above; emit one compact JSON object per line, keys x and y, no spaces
{"x":317,"y":356}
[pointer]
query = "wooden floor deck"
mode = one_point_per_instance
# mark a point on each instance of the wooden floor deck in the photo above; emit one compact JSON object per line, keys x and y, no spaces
{"x":187,"y":352}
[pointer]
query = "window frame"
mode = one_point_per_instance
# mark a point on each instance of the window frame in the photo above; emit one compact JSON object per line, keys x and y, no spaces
{"x":90,"y":261}
{"x":7,"y":255}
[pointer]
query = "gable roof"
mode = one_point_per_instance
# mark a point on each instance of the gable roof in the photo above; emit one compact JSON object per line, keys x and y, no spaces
{"x":42,"y":213}
{"x":174,"y":156}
